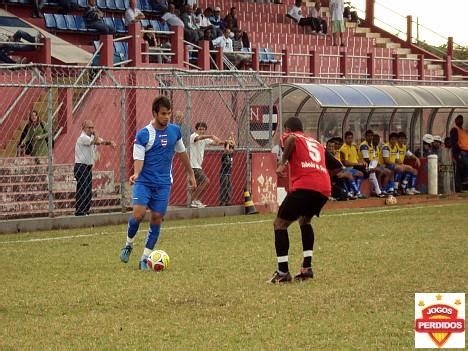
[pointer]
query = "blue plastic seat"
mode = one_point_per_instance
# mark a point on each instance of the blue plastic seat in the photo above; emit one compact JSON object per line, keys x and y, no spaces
{"x":144,"y":23}
{"x":80,"y":24}
{"x":71,"y":24}
{"x":120,"y":51}
{"x":110,"y":4}
{"x":120,"y":5}
{"x":101,"y":4}
{"x":60,"y":21}
{"x":271,"y":56}
{"x":145,"y":6}
{"x":83,"y":3}
{"x":119,"y":25}
{"x":164,"y":26}
{"x":109,"y":21}
{"x":50,"y":21}
{"x":263,"y":57}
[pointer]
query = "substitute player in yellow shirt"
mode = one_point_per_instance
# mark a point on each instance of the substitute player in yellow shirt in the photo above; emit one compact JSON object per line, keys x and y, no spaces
{"x":411,"y":173}
{"x":368,"y":154}
{"x":350,"y":158}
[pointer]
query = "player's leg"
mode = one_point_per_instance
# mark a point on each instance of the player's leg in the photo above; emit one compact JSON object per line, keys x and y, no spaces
{"x":202,"y":182}
{"x":375,"y":183}
{"x":288,"y":212}
{"x":140,"y":199}
{"x":413,"y":177}
{"x":308,"y":238}
{"x":158,"y":206}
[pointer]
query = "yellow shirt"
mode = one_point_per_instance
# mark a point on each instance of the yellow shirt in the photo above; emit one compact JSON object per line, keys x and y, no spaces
{"x":367,"y":151}
{"x":337,"y":155}
{"x":402,"y":152}
{"x":389,"y":152}
{"x":350,"y":153}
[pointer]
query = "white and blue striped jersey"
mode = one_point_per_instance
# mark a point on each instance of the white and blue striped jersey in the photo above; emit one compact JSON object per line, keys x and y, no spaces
{"x":156,"y":148}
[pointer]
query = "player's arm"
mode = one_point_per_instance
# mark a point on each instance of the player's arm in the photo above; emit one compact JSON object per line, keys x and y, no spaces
{"x":333,"y":165}
{"x":364,"y":153}
{"x":412,"y":156}
{"x":289,"y":145}
{"x":139,"y":152}
{"x":184,"y":159}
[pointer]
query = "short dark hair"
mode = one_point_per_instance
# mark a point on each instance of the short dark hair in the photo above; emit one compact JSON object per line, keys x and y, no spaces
{"x":338,"y":140}
{"x":348,"y":133}
{"x":402,"y":135}
{"x":201,"y":125}
{"x":294,"y":124}
{"x":369,"y":132}
{"x":161,"y":101}
{"x":330,"y":141}
{"x":393,"y":135}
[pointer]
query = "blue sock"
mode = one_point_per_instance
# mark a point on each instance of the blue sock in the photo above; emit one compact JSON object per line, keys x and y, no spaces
{"x":406,"y":178}
{"x":397,"y":177}
{"x":133,"y":226}
{"x":390,"y":186}
{"x":358,"y":184}
{"x":153,"y":235}
{"x":413,"y":181}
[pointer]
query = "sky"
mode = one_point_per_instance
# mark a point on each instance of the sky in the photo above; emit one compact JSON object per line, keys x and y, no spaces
{"x":446,"y":17}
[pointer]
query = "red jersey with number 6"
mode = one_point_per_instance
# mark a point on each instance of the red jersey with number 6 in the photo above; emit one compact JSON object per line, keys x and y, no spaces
{"x":307,"y":166}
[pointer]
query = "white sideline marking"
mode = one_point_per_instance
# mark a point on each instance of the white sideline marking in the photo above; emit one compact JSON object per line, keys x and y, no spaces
{"x":395,"y":209}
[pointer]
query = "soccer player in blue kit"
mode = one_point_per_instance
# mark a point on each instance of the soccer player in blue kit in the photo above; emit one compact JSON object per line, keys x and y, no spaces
{"x":153,"y":152}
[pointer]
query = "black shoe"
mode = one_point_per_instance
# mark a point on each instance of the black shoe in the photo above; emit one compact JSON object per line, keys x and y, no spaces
{"x":304,"y":274}
{"x":381,"y":195}
{"x":279,"y":278}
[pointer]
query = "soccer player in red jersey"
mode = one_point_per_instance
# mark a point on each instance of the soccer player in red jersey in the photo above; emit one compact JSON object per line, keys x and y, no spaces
{"x":310,"y":189}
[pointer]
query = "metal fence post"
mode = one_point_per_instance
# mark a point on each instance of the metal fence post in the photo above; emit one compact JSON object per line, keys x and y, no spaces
{"x":123,"y":158}
{"x":270,"y":119}
{"x":50,"y":158}
{"x":184,"y":136}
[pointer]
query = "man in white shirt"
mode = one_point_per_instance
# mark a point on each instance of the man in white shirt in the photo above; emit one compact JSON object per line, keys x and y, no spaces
{"x":85,"y":154}
{"x":224,"y":41}
{"x":171,"y":18}
{"x":319,"y":23}
{"x":133,"y":14}
{"x":338,"y":27}
{"x":198,"y":142}
{"x":296,"y":14}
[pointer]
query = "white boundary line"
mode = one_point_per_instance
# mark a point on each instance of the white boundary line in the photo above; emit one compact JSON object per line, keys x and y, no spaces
{"x":394,"y":209}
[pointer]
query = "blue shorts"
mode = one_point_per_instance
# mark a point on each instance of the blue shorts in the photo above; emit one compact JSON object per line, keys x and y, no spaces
{"x":391,"y":166}
{"x":155,"y":197}
{"x":352,"y":170}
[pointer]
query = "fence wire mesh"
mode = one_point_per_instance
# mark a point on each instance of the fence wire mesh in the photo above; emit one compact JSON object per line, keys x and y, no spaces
{"x":47,"y":167}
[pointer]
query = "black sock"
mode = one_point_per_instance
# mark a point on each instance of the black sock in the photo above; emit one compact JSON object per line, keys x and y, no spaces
{"x":282,"y":248}
{"x":308,"y":237}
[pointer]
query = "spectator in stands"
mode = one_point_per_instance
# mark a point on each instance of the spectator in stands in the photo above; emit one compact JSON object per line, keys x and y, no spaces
{"x":36,"y":136}
{"x":349,"y":156}
{"x":349,"y":13}
{"x":225,"y":42}
{"x":319,"y":23}
{"x":208,"y":35}
{"x":85,"y":154}
{"x":198,"y":141}
{"x":25,"y":149}
{"x":133,"y":14}
{"x":173,"y":20}
{"x":459,"y":143}
{"x":156,"y":46}
{"x":202,"y":21}
{"x":337,"y":20}
{"x":230,"y":21}
{"x":190,"y":25}
{"x":217,"y":22}
{"x":37,"y":8}
{"x":7,"y":49}
{"x":94,"y":19}
{"x":296,"y":14}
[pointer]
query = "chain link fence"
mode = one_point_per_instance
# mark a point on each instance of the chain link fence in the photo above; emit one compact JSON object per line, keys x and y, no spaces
{"x":45,"y":110}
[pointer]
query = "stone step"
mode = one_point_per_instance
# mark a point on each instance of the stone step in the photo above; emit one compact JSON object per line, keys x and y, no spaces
{"x":403,"y":51}
{"x":434,"y":66}
{"x":351,"y":24}
{"x":382,"y":40}
{"x":31,"y":196}
{"x":35,"y":169}
{"x":388,"y":45}
{"x":22,"y":161}
{"x":362,"y":30}
{"x":368,"y":35}
{"x":24,"y":208}
{"x":22,"y":187}
{"x":59,"y":212}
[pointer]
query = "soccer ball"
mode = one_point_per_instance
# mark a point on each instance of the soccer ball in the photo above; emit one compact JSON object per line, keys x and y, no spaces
{"x":158,"y":260}
{"x":391,"y":200}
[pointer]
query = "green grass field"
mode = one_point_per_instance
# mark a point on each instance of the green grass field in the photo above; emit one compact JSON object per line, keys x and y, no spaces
{"x":68,"y":290}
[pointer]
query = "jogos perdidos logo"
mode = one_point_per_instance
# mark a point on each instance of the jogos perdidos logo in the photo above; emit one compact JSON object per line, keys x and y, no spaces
{"x":439,"y":320}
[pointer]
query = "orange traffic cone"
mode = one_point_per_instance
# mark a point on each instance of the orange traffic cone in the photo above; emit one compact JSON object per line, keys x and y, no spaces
{"x":248,"y":204}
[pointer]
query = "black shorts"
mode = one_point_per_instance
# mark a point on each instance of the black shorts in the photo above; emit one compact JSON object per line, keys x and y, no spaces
{"x":307,"y":203}
{"x":200,"y":177}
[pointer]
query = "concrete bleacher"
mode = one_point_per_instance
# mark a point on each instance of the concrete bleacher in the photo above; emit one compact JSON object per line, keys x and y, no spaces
{"x":24,"y":189}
